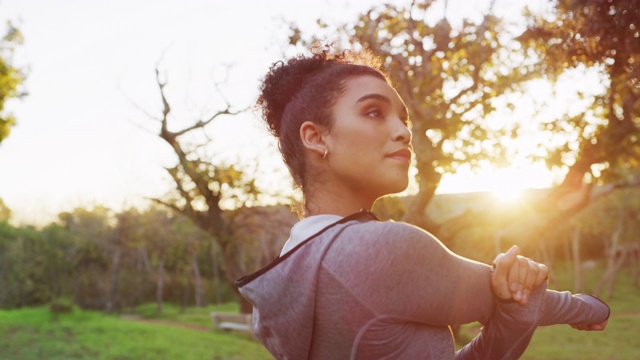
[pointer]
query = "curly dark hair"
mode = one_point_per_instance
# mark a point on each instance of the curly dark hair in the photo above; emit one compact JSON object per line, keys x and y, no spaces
{"x":305,"y":88}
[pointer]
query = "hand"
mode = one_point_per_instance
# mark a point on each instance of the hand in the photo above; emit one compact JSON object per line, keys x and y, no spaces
{"x":515,"y":276}
{"x":591,"y":327}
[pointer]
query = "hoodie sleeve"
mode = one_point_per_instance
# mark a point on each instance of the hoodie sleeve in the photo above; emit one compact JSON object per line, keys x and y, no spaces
{"x":565,"y":308}
{"x":412,"y":276}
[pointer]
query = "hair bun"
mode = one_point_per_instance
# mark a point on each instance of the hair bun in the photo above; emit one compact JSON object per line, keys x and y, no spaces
{"x":282,"y":83}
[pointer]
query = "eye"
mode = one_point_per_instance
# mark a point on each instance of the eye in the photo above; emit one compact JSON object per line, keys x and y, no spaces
{"x":374,"y":113}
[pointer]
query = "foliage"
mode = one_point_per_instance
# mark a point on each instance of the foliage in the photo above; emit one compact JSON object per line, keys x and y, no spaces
{"x":61,"y":305}
{"x":5,"y":212}
{"x":451,"y":79}
{"x":33,"y":265}
{"x":623,"y":204}
{"x":455,"y":79}
{"x":11,"y":77}
{"x":390,"y":208}
{"x":219,"y":198}
{"x":604,"y":36}
{"x":106,"y":261}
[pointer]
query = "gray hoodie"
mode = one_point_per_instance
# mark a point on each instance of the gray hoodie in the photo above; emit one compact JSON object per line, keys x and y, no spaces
{"x":365,"y":289}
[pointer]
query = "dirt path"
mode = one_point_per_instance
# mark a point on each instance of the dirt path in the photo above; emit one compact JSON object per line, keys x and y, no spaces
{"x":137,"y":318}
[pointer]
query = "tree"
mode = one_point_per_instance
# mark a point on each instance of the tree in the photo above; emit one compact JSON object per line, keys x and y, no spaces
{"x":614,"y":235}
{"x":201,"y":186}
{"x":449,"y":79}
{"x":601,"y":35}
{"x":11,"y":77}
{"x":91,"y":231}
{"x":192,"y":239}
{"x":34,"y":266}
{"x":602,"y":144}
{"x":208,"y":193}
{"x":5,"y":212}
{"x":155,"y":231}
{"x":454,"y":79}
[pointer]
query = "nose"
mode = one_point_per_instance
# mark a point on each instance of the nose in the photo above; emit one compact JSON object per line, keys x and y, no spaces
{"x":401,"y":132}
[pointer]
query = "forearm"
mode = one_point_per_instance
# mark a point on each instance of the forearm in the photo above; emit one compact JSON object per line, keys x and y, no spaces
{"x":565,"y":308}
{"x":508,"y":332}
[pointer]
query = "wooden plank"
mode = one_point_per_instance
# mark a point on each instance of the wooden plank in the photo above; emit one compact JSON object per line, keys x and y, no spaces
{"x":231,"y":321}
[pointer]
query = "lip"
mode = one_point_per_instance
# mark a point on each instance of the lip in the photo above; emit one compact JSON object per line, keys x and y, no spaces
{"x":402,"y":154}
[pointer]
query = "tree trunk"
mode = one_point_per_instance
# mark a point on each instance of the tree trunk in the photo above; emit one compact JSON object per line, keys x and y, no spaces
{"x":185,"y":290}
{"x":634,"y":258}
{"x":545,"y":257}
{"x":144,"y":254}
{"x":233,"y":272}
{"x":113,"y":279}
{"x":615,"y":258}
{"x":159,"y":286}
{"x":578,"y":273}
{"x":417,"y":210}
{"x":216,"y":270}
{"x":197,"y":279}
{"x":617,"y":268}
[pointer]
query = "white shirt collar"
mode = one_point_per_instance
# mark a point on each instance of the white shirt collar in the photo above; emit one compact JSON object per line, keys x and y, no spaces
{"x":306,"y":228}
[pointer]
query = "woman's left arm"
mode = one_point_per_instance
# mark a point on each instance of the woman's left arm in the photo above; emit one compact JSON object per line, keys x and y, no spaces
{"x":514,"y":277}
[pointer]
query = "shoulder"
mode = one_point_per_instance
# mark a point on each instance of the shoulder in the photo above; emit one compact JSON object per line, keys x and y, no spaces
{"x":399,"y":235}
{"x":385,"y":228}
{"x":385,"y":247}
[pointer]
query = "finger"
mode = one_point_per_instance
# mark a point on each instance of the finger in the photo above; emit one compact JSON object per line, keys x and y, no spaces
{"x":499,"y":278}
{"x":530,"y":280}
{"x":590,"y":327}
{"x":504,"y":261}
{"x":517,"y":278}
{"x":543,"y":274}
{"x":599,"y":327}
{"x":513,"y":276}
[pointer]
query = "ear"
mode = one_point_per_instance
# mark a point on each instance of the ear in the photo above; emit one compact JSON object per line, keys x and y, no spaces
{"x":312,"y":136}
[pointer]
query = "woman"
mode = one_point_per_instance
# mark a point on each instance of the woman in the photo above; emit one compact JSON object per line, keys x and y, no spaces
{"x":349,"y":286}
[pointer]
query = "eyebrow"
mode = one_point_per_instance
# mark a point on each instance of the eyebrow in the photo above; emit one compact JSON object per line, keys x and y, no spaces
{"x":374,"y":96}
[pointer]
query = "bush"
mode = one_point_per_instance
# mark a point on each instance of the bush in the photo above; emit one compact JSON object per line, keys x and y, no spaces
{"x":62,"y":305}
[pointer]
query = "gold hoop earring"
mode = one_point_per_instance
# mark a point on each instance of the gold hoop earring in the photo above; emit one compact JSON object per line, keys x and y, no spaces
{"x":324,"y":155}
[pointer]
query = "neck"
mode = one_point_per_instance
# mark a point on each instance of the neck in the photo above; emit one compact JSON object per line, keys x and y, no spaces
{"x":331,"y":200}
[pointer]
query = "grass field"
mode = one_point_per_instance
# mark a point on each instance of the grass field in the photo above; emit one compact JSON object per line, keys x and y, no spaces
{"x":33,"y":333}
{"x":619,"y":341}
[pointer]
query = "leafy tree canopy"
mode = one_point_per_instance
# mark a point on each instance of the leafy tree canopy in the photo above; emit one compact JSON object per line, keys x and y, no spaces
{"x":11,"y":77}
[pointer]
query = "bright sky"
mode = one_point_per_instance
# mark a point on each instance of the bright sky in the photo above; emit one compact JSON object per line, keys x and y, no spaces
{"x":79,"y":139}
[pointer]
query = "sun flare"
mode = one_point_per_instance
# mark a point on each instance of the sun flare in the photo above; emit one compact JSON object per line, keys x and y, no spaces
{"x":508,"y":184}
{"x":505,"y":184}
{"x":507,"y":194}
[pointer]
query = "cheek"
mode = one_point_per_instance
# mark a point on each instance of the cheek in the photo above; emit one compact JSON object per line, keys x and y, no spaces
{"x":363,"y":139}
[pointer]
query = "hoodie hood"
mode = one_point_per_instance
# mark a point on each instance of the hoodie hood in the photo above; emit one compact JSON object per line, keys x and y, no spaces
{"x":283,"y":293}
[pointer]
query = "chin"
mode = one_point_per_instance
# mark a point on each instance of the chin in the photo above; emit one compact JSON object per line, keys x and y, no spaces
{"x":396,"y":187}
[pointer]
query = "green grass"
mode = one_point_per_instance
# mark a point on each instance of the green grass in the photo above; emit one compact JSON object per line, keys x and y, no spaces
{"x":33,"y":334}
{"x":191,"y":316}
{"x":619,"y":341}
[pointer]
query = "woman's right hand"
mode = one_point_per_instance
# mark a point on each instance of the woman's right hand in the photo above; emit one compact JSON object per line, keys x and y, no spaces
{"x":514,"y":276}
{"x":591,"y":327}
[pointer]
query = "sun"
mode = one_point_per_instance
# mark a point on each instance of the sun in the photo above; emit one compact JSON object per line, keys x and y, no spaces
{"x":506,"y":184}
{"x":507,"y":193}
